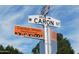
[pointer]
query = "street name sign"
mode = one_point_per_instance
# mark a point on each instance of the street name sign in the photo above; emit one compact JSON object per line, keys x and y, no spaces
{"x":39,"y":19}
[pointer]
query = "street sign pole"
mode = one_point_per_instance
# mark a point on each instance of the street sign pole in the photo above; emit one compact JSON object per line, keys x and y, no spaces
{"x":46,"y":32}
{"x":49,"y":41}
{"x":46,"y":39}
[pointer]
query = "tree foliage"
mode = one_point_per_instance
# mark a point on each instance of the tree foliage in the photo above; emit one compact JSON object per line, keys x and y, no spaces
{"x":63,"y":45}
{"x":36,"y":49}
{"x":9,"y":50}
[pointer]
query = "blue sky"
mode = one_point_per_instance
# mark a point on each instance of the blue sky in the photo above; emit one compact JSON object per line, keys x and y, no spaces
{"x":18,"y":15}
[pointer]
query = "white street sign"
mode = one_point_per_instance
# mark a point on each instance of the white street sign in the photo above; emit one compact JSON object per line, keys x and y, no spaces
{"x":39,"y":19}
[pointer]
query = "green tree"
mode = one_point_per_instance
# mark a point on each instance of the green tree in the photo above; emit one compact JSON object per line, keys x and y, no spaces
{"x":63,"y":45}
{"x":17,"y":51}
{"x":12,"y":50}
{"x":9,"y":50}
{"x":36,"y":49}
{"x":1,"y":49}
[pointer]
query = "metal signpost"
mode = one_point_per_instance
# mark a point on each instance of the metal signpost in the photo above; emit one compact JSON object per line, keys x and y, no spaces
{"x":46,"y":21}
